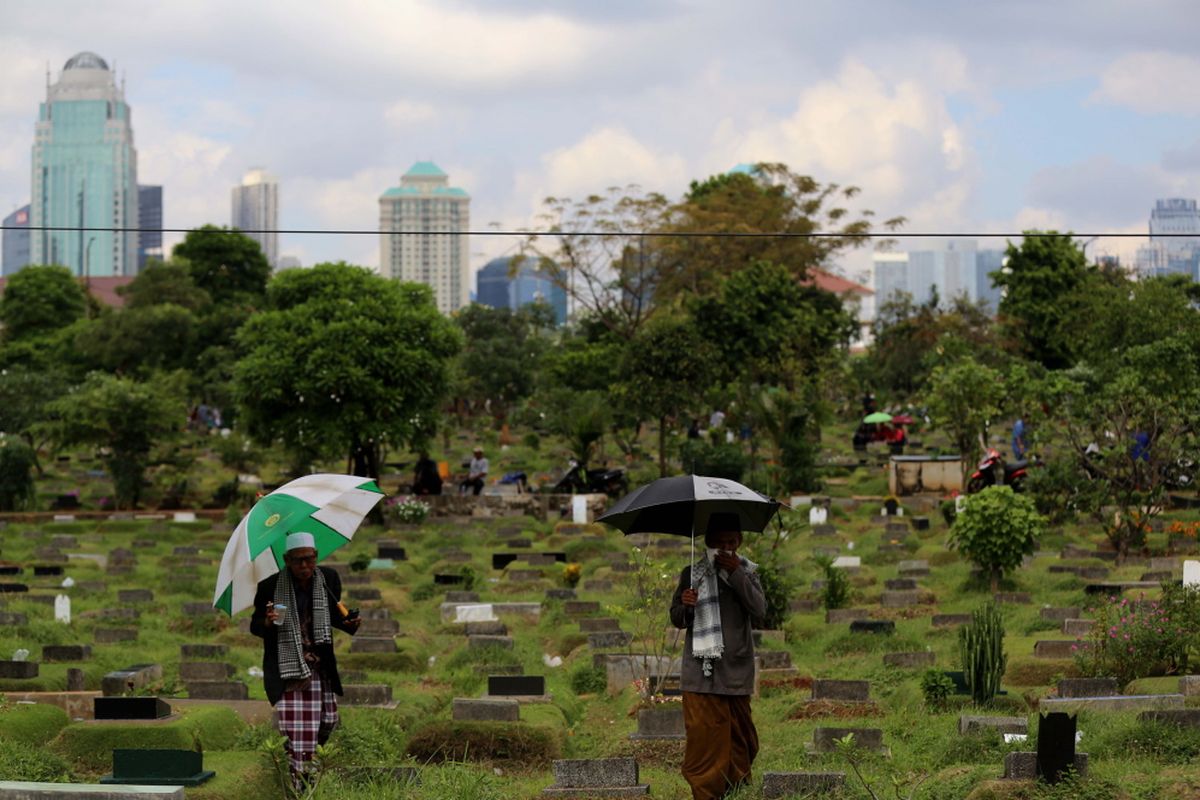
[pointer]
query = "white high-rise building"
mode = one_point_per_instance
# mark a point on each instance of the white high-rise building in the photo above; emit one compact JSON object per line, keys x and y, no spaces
{"x":959,"y":268}
{"x":1174,"y":246}
{"x":256,"y":210}
{"x":423,"y":224}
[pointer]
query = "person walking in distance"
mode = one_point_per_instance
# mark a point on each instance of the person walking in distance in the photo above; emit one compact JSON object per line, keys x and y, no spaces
{"x":716,"y":601}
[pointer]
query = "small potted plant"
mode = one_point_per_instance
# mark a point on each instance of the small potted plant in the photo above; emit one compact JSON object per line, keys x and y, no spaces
{"x":571,"y":574}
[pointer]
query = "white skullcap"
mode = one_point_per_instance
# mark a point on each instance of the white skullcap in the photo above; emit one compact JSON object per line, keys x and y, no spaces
{"x":297,"y":540}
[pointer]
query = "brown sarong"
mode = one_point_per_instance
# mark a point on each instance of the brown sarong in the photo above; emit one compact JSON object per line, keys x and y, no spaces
{"x":721,"y":743}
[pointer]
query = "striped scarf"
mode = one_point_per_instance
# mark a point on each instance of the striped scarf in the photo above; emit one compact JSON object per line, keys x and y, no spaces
{"x":292,"y":665}
{"x":708,"y":642}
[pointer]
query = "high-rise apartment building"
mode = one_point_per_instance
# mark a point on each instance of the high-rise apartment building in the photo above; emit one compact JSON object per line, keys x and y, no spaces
{"x":85,"y":173}
{"x":499,"y":286}
{"x":1174,"y":246}
{"x":956,"y":270}
{"x":150,"y":221}
{"x":16,"y":240}
{"x":424,"y":223}
{"x":256,"y":211}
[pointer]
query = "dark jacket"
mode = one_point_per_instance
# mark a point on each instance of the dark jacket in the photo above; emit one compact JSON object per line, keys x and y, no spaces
{"x":272,"y":681}
{"x":741,"y":601}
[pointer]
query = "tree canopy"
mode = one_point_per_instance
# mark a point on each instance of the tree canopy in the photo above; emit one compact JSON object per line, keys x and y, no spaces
{"x":225,"y":263}
{"x":40,"y":300}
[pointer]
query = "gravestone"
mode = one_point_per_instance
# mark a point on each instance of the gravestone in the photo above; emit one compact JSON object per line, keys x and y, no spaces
{"x":1061,"y":648}
{"x":442,"y":579}
{"x":900,"y":599}
{"x":664,"y":721}
{"x":364,"y":594}
{"x":900,"y":584}
{"x":1014,"y":598}
{"x":135,"y":596}
{"x":190,"y":671}
{"x":492,"y":627}
{"x":1189,"y":685}
{"x":481,"y":710}
{"x":7,"y":618}
{"x":18,"y":670}
{"x":1179,"y":717}
{"x":47,"y":571}
{"x":841,"y":691}
{"x":203,"y":652}
{"x":62,"y":609}
{"x":516,"y":685}
{"x":824,"y":530}
{"x":481,"y":641}
{"x":373,"y":694}
{"x":880,"y":626}
{"x":1191,"y":573}
{"x":379,"y":627}
{"x":609,"y":639}
{"x":560,"y":594}
{"x":835,"y":615}
{"x":598,"y":585}
{"x":1088,"y":687}
{"x":910,"y":660}
{"x":524,"y":575}
{"x":13,"y":588}
{"x":217,"y":690}
{"x":130,"y":708}
{"x":1056,"y":745}
{"x":115,"y":635}
{"x":76,"y":681}
{"x":774,"y":659}
{"x":1077,"y":627}
{"x":596,"y":777}
{"x":817,"y":515}
{"x":128,"y":614}
{"x":1059,"y":614}
{"x":196,"y":609}
{"x":372,"y":644}
{"x":599,"y":625}
{"x":391,"y":550}
{"x":915,"y":568}
{"x":52,"y":653}
{"x":462,"y":597}
{"x":847,"y":562}
{"x":971,"y":723}
{"x":801,"y":784}
{"x":578,"y":608}
{"x":130,"y":679}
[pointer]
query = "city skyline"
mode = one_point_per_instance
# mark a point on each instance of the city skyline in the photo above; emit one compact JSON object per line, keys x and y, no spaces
{"x":961,"y":120}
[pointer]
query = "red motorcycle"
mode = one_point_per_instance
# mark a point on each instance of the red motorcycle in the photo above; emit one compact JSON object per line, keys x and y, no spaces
{"x":993,"y":470}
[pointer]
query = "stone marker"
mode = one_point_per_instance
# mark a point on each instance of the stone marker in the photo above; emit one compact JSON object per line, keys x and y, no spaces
{"x":203,"y":652}
{"x":598,"y":585}
{"x":374,"y":694}
{"x":560,"y":594}
{"x":900,"y":584}
{"x":835,"y":615}
{"x":881,"y":626}
{"x":66,"y":652}
{"x":866,"y":738}
{"x":516,"y":686}
{"x":969,"y":723}
{"x":391,"y":550}
{"x":32,"y":790}
{"x":372,"y":644}
{"x":841,"y":691}
{"x":8,"y":618}
{"x":1088,"y":687}
{"x":911,"y":660}
{"x":1189,"y":685}
{"x":800,"y":784}
{"x":900,"y":599}
{"x":486,"y":628}
{"x":129,"y":679}
{"x":1057,"y":648}
{"x":609,"y":639}
{"x":363,"y":593}
{"x":913,"y":569}
{"x":1182,"y":717}
{"x":596,"y":777}
{"x":18,"y":670}
{"x":1022,"y":766}
{"x":379,"y":627}
{"x":579,"y":608}
{"x":115,"y":635}
{"x":774,"y":659}
{"x":1191,"y":573}
{"x":599,"y":625}
{"x":76,"y":681}
{"x":1014,"y":598}
{"x":1131,"y":702}
{"x":13,"y":588}
{"x":217,"y":690}
{"x":661,"y":722}
{"x":847,"y":562}
{"x":524,"y":575}
{"x":1077,"y":627}
{"x":462,"y":597}
{"x":190,"y":671}
{"x":135,"y":596}
{"x":1059,"y":614}
{"x":196,"y":609}
{"x":1055,"y":745}
{"x":477,"y":710}
{"x":504,"y":642}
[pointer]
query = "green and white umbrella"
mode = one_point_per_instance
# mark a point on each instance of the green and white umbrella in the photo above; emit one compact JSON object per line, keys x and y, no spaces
{"x":330,"y":507}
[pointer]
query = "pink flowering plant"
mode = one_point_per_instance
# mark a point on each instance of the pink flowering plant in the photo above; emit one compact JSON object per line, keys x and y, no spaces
{"x":1132,"y":639}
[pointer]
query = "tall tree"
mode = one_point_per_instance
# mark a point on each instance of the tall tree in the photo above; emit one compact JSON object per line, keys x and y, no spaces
{"x":343,"y":362}
{"x":161,"y":283}
{"x":502,"y":351}
{"x":1040,"y":281}
{"x":667,"y":367}
{"x":225,"y":263}
{"x":127,"y":418}
{"x":768,"y":214}
{"x":964,"y":399}
{"x":40,"y":300}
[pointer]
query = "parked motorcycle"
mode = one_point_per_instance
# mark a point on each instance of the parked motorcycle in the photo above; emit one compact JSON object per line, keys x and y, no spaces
{"x":994,"y":470}
{"x":580,"y":480}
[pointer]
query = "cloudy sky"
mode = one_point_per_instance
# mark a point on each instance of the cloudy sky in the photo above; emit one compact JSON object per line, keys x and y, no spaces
{"x":964,"y":117}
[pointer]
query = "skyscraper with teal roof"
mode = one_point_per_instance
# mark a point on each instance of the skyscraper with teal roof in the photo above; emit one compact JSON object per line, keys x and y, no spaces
{"x":85,"y":174}
{"x":424,"y":223}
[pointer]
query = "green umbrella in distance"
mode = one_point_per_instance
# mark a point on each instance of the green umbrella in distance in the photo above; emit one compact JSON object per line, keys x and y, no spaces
{"x":877,"y":417}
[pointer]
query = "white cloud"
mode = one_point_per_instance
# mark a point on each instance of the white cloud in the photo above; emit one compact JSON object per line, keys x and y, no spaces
{"x":407,"y":113}
{"x":1152,"y":83}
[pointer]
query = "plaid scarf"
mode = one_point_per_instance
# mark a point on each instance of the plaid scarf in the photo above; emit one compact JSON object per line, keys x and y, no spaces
{"x":708,"y":642}
{"x":292,"y":665}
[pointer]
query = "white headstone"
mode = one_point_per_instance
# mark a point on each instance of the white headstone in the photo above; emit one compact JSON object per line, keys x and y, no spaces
{"x":847,"y":561}
{"x":579,"y":510}
{"x":475,"y":612}
{"x":68,"y":582}
{"x":817,"y":515}
{"x":1191,"y":573}
{"x":20,"y":655}
{"x":185,"y":516}
{"x":960,"y":503}
{"x":62,"y":609}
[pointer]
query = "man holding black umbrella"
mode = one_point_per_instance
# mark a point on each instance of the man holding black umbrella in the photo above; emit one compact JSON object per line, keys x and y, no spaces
{"x":716,"y":601}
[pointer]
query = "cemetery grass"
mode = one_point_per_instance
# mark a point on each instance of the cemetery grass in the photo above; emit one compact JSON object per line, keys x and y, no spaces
{"x":432,"y":665}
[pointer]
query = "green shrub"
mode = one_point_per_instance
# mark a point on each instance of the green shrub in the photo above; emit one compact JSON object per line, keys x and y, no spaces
{"x":1132,"y":640}
{"x":21,"y":761}
{"x":714,"y":459}
{"x":588,"y":679}
{"x":777,"y":586}
{"x":525,"y":745}
{"x":17,"y":461}
{"x":836,"y":591}
{"x":423,"y":591}
{"x":981,"y":648}
{"x":996,"y":530}
{"x":369,"y":737}
{"x":936,"y":687}
{"x":32,"y":724}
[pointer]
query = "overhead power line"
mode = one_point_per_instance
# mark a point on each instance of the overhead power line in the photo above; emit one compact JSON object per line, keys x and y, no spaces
{"x":631,"y":234}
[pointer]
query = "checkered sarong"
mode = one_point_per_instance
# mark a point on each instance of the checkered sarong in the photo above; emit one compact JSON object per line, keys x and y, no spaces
{"x":300,"y":714}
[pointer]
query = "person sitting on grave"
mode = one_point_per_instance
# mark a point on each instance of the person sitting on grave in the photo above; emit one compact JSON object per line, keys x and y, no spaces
{"x":717,"y":600}
{"x":476,"y":473}
{"x":295,"y":612}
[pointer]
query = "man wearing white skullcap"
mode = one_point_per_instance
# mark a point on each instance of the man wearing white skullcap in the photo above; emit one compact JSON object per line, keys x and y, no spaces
{"x":295,"y":612}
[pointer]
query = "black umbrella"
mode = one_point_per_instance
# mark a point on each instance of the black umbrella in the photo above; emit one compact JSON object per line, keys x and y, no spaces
{"x":681,"y":506}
